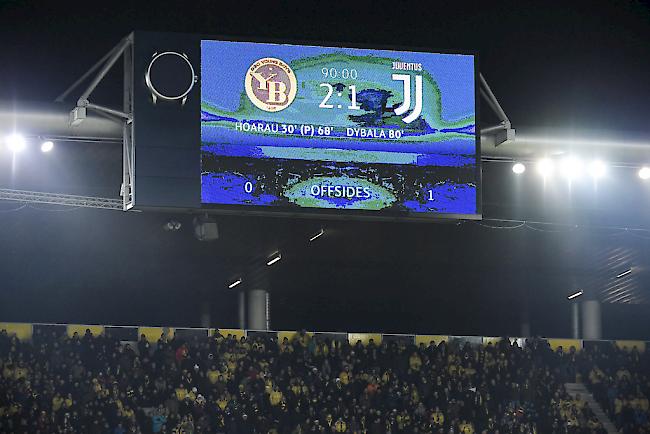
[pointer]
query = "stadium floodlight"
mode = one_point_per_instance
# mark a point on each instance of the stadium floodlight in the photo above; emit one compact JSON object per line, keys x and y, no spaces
{"x":273,"y":259}
{"x":624,"y":273}
{"x":518,"y":168}
{"x":172,"y":226}
{"x":545,"y":167}
{"x":597,"y":169}
{"x":235,"y":283}
{"x":571,"y":167}
{"x":575,"y":294}
{"x":644,"y":173}
{"x":47,"y":146}
{"x":317,"y":235}
{"x":16,"y":142}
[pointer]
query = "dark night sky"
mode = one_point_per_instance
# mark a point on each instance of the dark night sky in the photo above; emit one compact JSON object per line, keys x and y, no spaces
{"x":579,"y":63}
{"x":575,"y":64}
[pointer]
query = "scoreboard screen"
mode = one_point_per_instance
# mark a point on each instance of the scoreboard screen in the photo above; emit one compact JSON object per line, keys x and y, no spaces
{"x":354,"y":131}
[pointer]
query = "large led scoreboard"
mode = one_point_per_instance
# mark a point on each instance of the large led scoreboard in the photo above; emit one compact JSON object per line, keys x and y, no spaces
{"x":301,"y":129}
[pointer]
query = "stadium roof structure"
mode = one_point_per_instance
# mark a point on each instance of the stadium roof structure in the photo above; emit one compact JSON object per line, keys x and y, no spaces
{"x":578,"y":90}
{"x":100,"y":139}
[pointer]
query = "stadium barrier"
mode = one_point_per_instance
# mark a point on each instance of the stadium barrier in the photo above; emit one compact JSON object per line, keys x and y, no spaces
{"x":25,"y":331}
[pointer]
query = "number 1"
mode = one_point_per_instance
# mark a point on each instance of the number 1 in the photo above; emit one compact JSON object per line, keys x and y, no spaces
{"x":353,"y":97}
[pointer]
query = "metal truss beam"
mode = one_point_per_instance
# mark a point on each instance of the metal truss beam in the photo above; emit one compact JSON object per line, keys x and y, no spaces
{"x":123,"y":117}
{"x":61,"y":199}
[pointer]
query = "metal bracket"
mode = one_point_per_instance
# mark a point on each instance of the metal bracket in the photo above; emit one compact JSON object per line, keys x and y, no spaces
{"x":125,"y":116}
{"x":503,"y":131}
{"x":120,"y":114}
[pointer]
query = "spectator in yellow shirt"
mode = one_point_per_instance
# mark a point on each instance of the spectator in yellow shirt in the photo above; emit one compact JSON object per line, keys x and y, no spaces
{"x":213,"y":375}
{"x":57,"y":402}
{"x":596,"y":375}
{"x":181,"y":393}
{"x":128,"y":413}
{"x":20,"y":372}
{"x":415,"y":362}
{"x":222,"y":402}
{"x":340,"y":426}
{"x":437,"y":418}
{"x":275,"y":397}
{"x":345,"y":376}
{"x":67,"y":402}
{"x":466,"y":427}
{"x":8,"y":371}
{"x":618,"y":405}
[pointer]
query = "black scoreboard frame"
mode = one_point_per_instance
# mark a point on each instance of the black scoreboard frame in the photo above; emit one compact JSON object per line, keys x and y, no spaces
{"x":155,"y":149}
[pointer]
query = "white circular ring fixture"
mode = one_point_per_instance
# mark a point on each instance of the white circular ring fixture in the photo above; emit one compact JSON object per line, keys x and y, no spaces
{"x":157,"y":94}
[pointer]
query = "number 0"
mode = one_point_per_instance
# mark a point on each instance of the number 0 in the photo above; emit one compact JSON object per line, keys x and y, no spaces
{"x":248,"y":187}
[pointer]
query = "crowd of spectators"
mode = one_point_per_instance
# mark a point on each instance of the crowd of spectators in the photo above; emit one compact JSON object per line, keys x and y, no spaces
{"x":620,"y":382}
{"x":575,"y":414}
{"x":97,"y":384}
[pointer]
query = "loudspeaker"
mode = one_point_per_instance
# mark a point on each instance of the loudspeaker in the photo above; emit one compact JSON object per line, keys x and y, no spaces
{"x":205,"y":228}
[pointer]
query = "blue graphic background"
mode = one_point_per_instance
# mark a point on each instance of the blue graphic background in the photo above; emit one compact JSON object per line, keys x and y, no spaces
{"x":224,"y":65}
{"x":443,"y":137}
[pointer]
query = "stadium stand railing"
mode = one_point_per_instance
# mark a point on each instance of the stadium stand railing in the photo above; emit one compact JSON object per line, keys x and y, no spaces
{"x":24,"y":331}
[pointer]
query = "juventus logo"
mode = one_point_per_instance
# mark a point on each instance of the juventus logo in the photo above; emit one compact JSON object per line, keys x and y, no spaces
{"x":406,"y":105}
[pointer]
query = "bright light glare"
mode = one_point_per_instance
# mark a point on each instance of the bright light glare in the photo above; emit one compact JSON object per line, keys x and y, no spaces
{"x":571,"y":167}
{"x":575,"y":294}
{"x":624,"y":273}
{"x":47,"y":146}
{"x":644,"y":173}
{"x":317,"y":235}
{"x":16,"y":142}
{"x":545,"y":167}
{"x":597,"y":169}
{"x":519,"y":168}
{"x":274,"y":260}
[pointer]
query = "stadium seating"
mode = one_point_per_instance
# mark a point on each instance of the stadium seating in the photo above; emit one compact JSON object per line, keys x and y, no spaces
{"x":55,"y":383}
{"x":620,"y":382}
